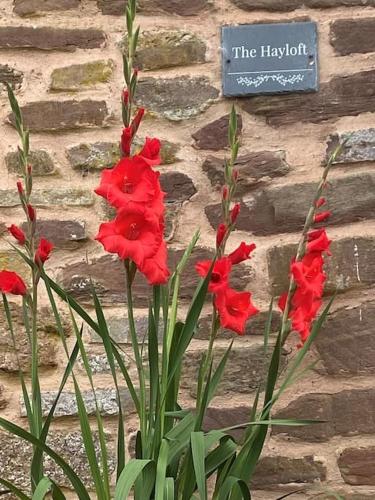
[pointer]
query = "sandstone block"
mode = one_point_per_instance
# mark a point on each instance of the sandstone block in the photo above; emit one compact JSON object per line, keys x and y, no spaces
{"x":59,"y":116}
{"x":177,"y":98}
{"x":45,"y":38}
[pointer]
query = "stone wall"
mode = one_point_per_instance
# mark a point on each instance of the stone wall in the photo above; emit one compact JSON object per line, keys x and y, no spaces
{"x":63,"y":59}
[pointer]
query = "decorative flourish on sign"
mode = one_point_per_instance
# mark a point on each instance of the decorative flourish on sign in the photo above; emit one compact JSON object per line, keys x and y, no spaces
{"x":264,"y":78}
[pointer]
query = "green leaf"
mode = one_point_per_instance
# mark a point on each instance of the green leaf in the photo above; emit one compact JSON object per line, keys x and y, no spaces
{"x":106,"y":338}
{"x":179,"y":436}
{"x":161,"y":470}
{"x":217,"y":376}
{"x":12,"y":488}
{"x":66,"y":297}
{"x":131,"y":472}
{"x":169,"y":489}
{"x":77,"y":484}
{"x":228,"y":486}
{"x":42,"y":489}
{"x":37,"y":457}
{"x":198,"y":454}
{"x":223,"y":452}
{"x":191,"y":321}
{"x":56,"y":492}
{"x":89,"y":444}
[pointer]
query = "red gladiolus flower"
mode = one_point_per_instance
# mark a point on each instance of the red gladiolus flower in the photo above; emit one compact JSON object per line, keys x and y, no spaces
{"x":322,"y":216}
{"x":235,"y":212}
{"x":43,"y":251}
{"x":17,"y":233}
{"x":220,"y":273}
{"x":12,"y":283}
{"x":134,"y":234}
{"x":155,"y":268}
{"x":220,"y":235}
{"x":126,"y":141}
{"x":234,"y":308}
{"x":241,"y":253}
{"x":19,"y":187}
{"x":309,"y":277}
{"x":150,"y":152}
{"x":31,"y":213}
{"x":225,"y":193}
{"x":132,"y":181}
{"x":318,"y":241}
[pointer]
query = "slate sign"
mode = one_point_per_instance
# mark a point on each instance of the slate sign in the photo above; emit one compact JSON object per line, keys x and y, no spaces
{"x":269,"y":58}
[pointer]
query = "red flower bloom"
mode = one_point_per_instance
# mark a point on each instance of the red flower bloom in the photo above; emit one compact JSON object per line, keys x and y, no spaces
{"x":150,"y":152}
{"x":235,"y":212}
{"x":234,"y":308}
{"x":241,"y":253}
{"x":17,"y":233}
{"x":309,"y":277}
{"x":132,"y":181}
{"x":43,"y":251}
{"x":12,"y":283}
{"x":220,"y":234}
{"x":318,"y":241}
{"x":134,"y":234}
{"x":155,"y":268}
{"x":322,"y":216}
{"x":220,"y":273}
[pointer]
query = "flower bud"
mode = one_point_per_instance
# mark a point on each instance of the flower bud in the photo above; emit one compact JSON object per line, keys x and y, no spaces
{"x":125,"y":97}
{"x":19,"y":187}
{"x":126,"y":141}
{"x":220,"y":235}
{"x":29,"y":169}
{"x":137,"y":120}
{"x":225,"y":192}
{"x":235,"y":175}
{"x":43,"y":251}
{"x":17,"y":233}
{"x":30,"y":212}
{"x":322,"y":216}
{"x":234,"y":212}
{"x":320,"y":202}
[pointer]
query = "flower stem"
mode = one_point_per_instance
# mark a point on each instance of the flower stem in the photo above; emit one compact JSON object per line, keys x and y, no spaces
{"x":138,"y":358}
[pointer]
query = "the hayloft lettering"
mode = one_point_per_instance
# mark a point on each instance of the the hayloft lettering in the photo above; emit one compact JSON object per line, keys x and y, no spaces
{"x":244,"y":53}
{"x":270,"y":58}
{"x":285,"y":51}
